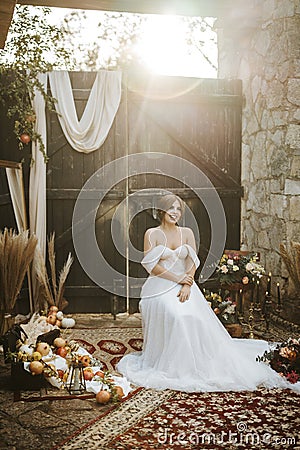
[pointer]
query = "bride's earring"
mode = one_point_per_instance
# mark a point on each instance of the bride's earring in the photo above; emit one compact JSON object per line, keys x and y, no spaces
{"x":154,"y":213}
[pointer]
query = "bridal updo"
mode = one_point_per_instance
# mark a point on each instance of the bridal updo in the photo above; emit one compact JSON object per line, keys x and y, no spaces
{"x":165,"y":203}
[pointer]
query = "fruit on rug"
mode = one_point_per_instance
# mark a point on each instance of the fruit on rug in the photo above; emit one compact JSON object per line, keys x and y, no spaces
{"x":103,"y":397}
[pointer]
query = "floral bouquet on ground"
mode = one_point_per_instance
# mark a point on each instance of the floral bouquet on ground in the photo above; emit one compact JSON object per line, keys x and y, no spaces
{"x":225,"y":308}
{"x":284,"y":359}
{"x":238,"y":268}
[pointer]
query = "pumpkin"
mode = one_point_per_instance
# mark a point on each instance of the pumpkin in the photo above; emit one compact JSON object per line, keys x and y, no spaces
{"x":53,"y":309}
{"x":59,"y":315}
{"x":67,"y":322}
{"x":103,"y":397}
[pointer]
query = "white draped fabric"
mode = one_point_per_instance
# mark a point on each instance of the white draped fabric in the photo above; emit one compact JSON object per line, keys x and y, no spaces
{"x":88,"y":133}
{"x":84,"y":135}
{"x":16,"y":189}
{"x":37,"y":180}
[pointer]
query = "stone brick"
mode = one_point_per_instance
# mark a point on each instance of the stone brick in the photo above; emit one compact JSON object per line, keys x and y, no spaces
{"x":278,"y":205}
{"x":295,"y":167}
{"x":274,"y":96}
{"x":293,"y":136}
{"x":293,"y":94}
{"x":295,"y":208}
{"x":292,"y":187}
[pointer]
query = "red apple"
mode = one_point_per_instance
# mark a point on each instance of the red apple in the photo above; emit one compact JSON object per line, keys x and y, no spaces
{"x":100,"y":374}
{"x":25,"y":138}
{"x":60,"y":373}
{"x":62,"y":351}
{"x":88,"y":375}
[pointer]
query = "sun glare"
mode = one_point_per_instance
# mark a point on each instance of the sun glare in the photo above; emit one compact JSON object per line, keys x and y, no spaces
{"x":164,"y":49}
{"x":162,"y":46}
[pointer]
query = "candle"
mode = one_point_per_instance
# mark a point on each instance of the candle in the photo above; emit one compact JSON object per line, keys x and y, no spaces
{"x":241,"y":301}
{"x":257,"y":291}
{"x":269,"y":283}
{"x":278,"y":294}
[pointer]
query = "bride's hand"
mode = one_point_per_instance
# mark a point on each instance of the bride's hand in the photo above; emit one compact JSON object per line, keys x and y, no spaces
{"x":184,"y":293}
{"x":186,"y":279}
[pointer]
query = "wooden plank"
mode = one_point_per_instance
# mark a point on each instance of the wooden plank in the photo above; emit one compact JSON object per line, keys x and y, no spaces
{"x":188,"y":7}
{"x":10,"y":164}
{"x":162,"y":122}
{"x":6,"y":13}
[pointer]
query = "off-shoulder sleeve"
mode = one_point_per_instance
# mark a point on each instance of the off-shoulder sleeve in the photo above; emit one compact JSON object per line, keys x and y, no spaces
{"x":193,"y":255}
{"x":152,"y":258}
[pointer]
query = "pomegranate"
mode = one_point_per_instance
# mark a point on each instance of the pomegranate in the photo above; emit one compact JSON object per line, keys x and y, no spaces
{"x":25,"y":138}
{"x":103,"y":397}
{"x":36,"y":367}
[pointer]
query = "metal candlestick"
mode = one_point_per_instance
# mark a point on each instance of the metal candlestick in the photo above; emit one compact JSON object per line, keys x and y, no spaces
{"x":251,"y":320}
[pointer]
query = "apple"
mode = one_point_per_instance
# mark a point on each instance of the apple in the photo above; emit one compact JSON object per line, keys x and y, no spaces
{"x":88,"y":375}
{"x":100,"y":374}
{"x":62,"y":351}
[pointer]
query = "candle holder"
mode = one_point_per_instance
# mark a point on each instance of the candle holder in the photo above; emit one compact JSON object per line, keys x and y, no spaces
{"x":267,"y":306}
{"x":251,"y":320}
{"x":76,"y":383}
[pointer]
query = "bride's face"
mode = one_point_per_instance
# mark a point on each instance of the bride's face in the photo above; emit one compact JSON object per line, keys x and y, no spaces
{"x":173,"y":214}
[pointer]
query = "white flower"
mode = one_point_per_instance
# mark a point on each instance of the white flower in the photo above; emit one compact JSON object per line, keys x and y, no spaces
{"x":224,"y":269}
{"x":249,"y":267}
{"x":235,"y":268}
{"x":230,"y":262}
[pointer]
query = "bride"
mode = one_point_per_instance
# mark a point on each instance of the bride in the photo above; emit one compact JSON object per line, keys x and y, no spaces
{"x":185,"y":345}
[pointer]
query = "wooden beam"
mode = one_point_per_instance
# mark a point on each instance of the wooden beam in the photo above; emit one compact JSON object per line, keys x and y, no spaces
{"x":6,"y":13}
{"x":10,"y":164}
{"x":180,"y":7}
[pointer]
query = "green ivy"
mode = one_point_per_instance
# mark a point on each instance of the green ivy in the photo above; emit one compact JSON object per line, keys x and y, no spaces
{"x":33,"y":46}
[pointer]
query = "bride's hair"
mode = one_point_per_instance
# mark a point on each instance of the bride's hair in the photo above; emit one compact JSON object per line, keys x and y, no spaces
{"x":165,"y":203}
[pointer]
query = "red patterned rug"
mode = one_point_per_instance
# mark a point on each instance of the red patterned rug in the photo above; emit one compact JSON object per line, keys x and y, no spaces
{"x":150,"y":419}
{"x":109,"y":345}
{"x":264,"y":419}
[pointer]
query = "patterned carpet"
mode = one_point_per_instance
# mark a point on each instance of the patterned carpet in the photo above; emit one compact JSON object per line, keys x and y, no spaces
{"x":150,"y":419}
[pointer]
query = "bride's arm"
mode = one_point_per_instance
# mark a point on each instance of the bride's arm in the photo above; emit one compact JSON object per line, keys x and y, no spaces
{"x":159,"y":271}
{"x":190,"y":240}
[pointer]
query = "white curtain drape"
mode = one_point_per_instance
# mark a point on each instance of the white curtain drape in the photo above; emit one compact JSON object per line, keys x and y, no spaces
{"x":37,"y":180}
{"x":84,"y":135}
{"x":87,"y":134}
{"x":16,"y":189}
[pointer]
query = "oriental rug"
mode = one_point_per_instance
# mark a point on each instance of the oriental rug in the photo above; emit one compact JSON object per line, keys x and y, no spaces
{"x":152,"y":419}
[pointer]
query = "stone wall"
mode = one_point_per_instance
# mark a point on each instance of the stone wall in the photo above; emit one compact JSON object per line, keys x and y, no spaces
{"x":259,"y":43}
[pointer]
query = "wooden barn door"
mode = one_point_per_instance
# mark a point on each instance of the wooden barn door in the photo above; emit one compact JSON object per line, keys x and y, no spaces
{"x":198,"y":120}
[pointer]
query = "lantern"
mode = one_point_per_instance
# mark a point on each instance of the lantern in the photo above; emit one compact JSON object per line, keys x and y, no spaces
{"x":76,"y":382}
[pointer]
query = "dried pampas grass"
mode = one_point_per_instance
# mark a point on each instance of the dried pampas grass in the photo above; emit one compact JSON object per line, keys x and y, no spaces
{"x":50,"y":291}
{"x":291,"y":258}
{"x":16,"y":253}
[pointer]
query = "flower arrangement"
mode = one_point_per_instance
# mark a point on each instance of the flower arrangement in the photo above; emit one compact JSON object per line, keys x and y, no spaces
{"x":284,"y":359}
{"x":225,"y":308}
{"x":237,"y":268}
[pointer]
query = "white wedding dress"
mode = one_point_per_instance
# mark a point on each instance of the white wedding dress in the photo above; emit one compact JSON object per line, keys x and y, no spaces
{"x":186,"y":347}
